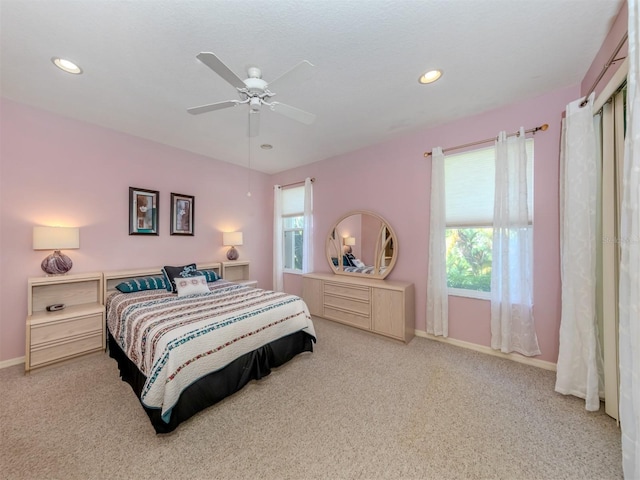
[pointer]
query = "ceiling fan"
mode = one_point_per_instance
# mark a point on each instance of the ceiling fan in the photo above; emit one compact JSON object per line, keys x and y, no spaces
{"x":253,"y":91}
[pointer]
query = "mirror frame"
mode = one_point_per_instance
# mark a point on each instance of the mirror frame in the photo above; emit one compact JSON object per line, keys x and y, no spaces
{"x":332,"y":242}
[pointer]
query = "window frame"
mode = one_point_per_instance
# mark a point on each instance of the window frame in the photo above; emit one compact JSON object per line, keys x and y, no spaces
{"x":294,"y":210}
{"x":479,"y":294}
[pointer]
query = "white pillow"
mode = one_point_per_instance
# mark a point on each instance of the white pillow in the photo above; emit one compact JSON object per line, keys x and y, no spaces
{"x":191,"y":285}
{"x":358,"y":263}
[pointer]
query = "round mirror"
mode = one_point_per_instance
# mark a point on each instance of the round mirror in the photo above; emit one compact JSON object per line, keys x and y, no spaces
{"x":362,"y":243}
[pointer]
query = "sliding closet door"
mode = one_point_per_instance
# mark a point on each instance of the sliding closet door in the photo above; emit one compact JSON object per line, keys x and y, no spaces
{"x":612,"y":158}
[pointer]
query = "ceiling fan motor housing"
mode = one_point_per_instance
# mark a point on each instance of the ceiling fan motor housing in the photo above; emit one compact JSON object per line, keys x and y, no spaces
{"x":255,"y":85}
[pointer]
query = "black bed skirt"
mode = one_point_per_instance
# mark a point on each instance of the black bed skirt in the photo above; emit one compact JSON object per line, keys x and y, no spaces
{"x":214,"y":387}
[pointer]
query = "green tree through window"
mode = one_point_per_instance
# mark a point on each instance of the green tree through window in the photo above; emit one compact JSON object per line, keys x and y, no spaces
{"x":469,"y":258}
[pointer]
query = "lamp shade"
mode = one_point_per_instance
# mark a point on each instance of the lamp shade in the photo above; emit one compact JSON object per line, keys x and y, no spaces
{"x":231,"y":239}
{"x":349,"y":241}
{"x":56,"y":238}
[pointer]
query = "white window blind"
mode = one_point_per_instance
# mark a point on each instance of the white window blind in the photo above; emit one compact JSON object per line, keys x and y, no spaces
{"x":293,"y":201}
{"x":469,"y":187}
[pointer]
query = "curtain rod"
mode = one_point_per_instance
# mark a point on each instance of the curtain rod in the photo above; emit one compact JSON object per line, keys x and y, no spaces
{"x":612,"y":60}
{"x":479,"y":142}
{"x":313,"y":179}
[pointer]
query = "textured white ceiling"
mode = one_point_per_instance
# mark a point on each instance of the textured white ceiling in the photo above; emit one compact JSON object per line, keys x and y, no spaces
{"x":141,"y":73}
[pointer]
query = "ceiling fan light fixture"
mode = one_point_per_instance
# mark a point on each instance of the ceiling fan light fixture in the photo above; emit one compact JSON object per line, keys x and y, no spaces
{"x":255,"y":103}
{"x":430,"y":77}
{"x":66,"y":65}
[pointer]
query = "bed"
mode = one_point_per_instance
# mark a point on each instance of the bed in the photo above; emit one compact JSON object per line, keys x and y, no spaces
{"x":182,"y":352}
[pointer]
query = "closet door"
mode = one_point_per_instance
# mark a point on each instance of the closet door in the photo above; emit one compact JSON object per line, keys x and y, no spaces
{"x":612,"y":159}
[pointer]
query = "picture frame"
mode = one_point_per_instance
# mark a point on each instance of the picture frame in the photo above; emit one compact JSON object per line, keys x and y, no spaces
{"x":143,"y":211}
{"x":182,"y":208}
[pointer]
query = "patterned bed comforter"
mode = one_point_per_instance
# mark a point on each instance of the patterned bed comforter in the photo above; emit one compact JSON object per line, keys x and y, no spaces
{"x":175,"y":341}
{"x":368,"y":269}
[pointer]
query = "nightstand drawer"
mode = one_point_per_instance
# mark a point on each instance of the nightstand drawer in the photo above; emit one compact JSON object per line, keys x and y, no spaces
{"x":52,"y":352}
{"x":47,"y":332}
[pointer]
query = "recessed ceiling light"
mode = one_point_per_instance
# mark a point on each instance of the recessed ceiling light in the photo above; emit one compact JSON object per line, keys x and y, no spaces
{"x":66,"y":65}
{"x":430,"y":77}
{"x":266,"y":146}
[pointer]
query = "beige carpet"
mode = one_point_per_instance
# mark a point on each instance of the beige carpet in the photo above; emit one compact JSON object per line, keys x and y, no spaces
{"x":359,"y":407}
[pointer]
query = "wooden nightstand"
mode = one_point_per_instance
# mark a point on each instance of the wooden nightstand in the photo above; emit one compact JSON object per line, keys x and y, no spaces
{"x":237,"y":272}
{"x":76,"y":330}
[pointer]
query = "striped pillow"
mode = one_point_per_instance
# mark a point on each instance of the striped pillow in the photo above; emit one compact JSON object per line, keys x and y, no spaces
{"x":210,"y":275}
{"x":142,"y":283}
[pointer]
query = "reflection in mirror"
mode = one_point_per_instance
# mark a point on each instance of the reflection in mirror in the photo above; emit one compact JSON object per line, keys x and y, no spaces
{"x":366,"y":244}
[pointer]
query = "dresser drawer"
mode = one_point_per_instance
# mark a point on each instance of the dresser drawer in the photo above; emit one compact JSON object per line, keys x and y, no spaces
{"x":47,"y":332}
{"x":351,"y":291}
{"x":362,"y":321}
{"x":357,"y":306}
{"x":52,"y":352}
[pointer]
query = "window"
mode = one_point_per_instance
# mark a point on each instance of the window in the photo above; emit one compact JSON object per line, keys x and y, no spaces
{"x":469,"y":192}
{"x":293,"y":228}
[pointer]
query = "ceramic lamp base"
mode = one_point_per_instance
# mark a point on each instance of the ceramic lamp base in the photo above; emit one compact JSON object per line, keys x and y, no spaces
{"x":232,"y":254}
{"x":56,"y":264}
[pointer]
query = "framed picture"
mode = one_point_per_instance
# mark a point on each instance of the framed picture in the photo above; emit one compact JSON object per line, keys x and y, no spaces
{"x":143,"y":211}
{"x":181,"y":214}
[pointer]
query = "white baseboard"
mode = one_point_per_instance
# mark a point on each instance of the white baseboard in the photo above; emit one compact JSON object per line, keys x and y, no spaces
{"x":490,"y":351}
{"x":11,"y":362}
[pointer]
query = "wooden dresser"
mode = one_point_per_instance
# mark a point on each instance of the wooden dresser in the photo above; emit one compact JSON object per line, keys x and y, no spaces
{"x":380,"y":306}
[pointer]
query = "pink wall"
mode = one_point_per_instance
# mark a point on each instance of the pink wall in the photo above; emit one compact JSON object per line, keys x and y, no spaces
{"x":393,"y":178}
{"x":57,"y":171}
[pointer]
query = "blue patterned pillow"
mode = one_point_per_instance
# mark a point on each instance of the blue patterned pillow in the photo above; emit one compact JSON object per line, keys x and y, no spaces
{"x":210,"y":275}
{"x":170,"y":273}
{"x":142,"y":283}
{"x":346,"y":261}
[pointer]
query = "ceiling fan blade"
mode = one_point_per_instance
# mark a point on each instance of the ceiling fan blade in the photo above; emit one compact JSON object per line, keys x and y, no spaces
{"x":301,"y":73}
{"x":212,"y":106}
{"x":254,"y":123}
{"x":293,"y":113}
{"x":215,"y":64}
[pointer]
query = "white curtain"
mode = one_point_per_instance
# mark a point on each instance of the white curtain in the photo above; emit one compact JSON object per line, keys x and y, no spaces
{"x":437,"y":296}
{"x":278,"y":263}
{"x":579,"y":367}
{"x":630,"y":263}
{"x":307,"y":235}
{"x":512,"y":327}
